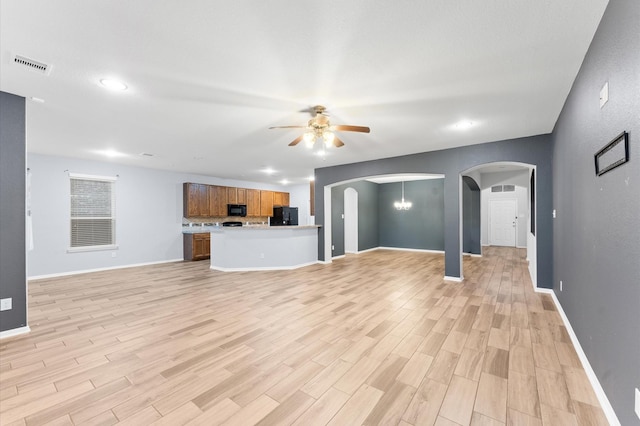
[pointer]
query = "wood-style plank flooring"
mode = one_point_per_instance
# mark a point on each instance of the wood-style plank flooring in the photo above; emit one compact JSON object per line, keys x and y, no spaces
{"x":375,"y":338}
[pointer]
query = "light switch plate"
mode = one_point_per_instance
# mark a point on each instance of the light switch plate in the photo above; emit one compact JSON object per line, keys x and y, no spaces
{"x":604,"y":94}
{"x":6,"y":304}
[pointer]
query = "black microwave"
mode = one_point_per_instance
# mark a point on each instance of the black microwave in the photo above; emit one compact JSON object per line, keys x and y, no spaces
{"x":237,"y":210}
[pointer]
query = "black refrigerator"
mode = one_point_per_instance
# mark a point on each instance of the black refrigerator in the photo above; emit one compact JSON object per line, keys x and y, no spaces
{"x":284,"y":216}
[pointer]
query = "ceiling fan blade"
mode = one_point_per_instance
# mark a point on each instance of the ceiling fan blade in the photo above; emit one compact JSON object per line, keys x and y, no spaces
{"x":337,"y":142}
{"x":348,"y":128}
{"x":296,"y":141}
{"x":288,"y":127}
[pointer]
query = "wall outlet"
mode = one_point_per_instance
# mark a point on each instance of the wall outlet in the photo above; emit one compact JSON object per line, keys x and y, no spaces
{"x":333,"y":247}
{"x":261,"y":255}
{"x":560,"y":285}
{"x":554,"y":213}
{"x":637,"y":403}
{"x":6,"y":304}
{"x":113,"y":254}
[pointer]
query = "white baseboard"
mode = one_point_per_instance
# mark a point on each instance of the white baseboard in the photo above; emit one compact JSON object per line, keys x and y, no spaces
{"x":265,"y":268}
{"x":340,"y":256}
{"x":368,"y":250}
{"x":411,"y":249}
{"x":472,"y":254}
{"x":456,"y":279}
{"x":14,"y":332}
{"x":86,"y":271}
{"x":595,"y":383}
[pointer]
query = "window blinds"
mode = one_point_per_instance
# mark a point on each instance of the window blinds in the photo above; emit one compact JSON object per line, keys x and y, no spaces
{"x":92,"y":211}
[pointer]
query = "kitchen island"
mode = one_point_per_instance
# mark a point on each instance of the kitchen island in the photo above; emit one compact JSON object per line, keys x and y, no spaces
{"x":258,"y":248}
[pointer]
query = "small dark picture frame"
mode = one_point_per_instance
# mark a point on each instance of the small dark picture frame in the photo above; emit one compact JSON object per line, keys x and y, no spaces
{"x":612,"y":155}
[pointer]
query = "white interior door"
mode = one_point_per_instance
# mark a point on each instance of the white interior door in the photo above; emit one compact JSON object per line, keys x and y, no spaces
{"x":502,"y":222}
{"x":350,"y":220}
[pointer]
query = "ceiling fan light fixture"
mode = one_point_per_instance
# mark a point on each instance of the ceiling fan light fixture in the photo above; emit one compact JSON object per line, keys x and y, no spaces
{"x":328,"y":137}
{"x":309,"y":139}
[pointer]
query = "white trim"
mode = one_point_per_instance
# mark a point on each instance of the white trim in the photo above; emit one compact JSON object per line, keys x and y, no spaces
{"x":455,"y":279}
{"x":411,"y":249}
{"x":521,"y":247}
{"x":591,"y":375}
{"x":86,"y":271}
{"x":14,"y":332}
{"x":472,"y":254}
{"x":368,"y":250}
{"x":265,"y":268}
{"x":340,"y":256}
{"x":324,"y":262}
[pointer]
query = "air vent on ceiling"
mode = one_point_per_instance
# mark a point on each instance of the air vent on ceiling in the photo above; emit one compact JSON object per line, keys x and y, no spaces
{"x":496,"y":188}
{"x":34,"y":65}
{"x":508,"y":188}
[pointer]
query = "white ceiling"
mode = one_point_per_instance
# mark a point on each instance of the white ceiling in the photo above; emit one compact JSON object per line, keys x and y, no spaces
{"x":207,"y":78}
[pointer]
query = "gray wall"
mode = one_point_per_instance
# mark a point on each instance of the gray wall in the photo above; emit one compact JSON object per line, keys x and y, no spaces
{"x":597,"y":229}
{"x":12,"y":210}
{"x":470,"y":216}
{"x":367,"y":216}
{"x":421,"y":227}
{"x":534,"y":150}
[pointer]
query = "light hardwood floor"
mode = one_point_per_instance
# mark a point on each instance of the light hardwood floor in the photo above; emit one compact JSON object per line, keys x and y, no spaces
{"x":375,"y":338}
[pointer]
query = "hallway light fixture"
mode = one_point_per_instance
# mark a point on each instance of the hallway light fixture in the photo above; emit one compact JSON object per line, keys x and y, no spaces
{"x":402,"y":205}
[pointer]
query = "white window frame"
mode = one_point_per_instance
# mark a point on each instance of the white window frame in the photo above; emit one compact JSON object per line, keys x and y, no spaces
{"x":110,"y":179}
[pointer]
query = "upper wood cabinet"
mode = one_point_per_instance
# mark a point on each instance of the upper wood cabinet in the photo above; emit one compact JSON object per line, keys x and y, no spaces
{"x":312,"y":198}
{"x":200,"y":200}
{"x":266,"y":203}
{"x":195,"y":200}
{"x":232,"y":195}
{"x":217,"y":201}
{"x":242,"y":196}
{"x":280,"y":199}
{"x":253,"y":202}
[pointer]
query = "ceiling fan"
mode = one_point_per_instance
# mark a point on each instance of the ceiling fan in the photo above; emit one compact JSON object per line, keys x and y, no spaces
{"x":319,"y":127}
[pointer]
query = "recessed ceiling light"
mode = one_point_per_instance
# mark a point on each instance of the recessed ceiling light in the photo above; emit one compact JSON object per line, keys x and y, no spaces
{"x":113,"y":84}
{"x":111,"y":153}
{"x":284,"y":182}
{"x":268,"y":170}
{"x":464,"y":125}
{"x":312,"y":178}
{"x":38,"y":100}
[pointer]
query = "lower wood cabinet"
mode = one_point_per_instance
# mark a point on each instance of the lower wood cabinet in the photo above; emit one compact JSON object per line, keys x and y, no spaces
{"x":196,"y":246}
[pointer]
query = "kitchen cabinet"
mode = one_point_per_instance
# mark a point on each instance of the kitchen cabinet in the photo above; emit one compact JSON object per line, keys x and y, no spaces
{"x":312,"y":198}
{"x":280,"y":199}
{"x":232,"y":195}
{"x":217,"y":201}
{"x":266,"y":203}
{"x":196,"y":246}
{"x":242,"y":195}
{"x":253,"y":202}
{"x":195,"y":200}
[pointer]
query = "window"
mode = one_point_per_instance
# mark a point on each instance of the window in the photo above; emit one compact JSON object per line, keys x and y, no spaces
{"x":93,"y":212}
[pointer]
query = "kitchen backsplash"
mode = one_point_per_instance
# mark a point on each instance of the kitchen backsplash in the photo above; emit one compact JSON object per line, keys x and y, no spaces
{"x":256,"y":220}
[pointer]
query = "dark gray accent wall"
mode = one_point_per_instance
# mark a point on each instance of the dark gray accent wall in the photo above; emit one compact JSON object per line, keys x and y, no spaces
{"x":534,"y":150}
{"x":421,"y":227}
{"x":13,"y":276}
{"x":597,"y":229}
{"x":367,"y":216}
{"x":470,"y":216}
